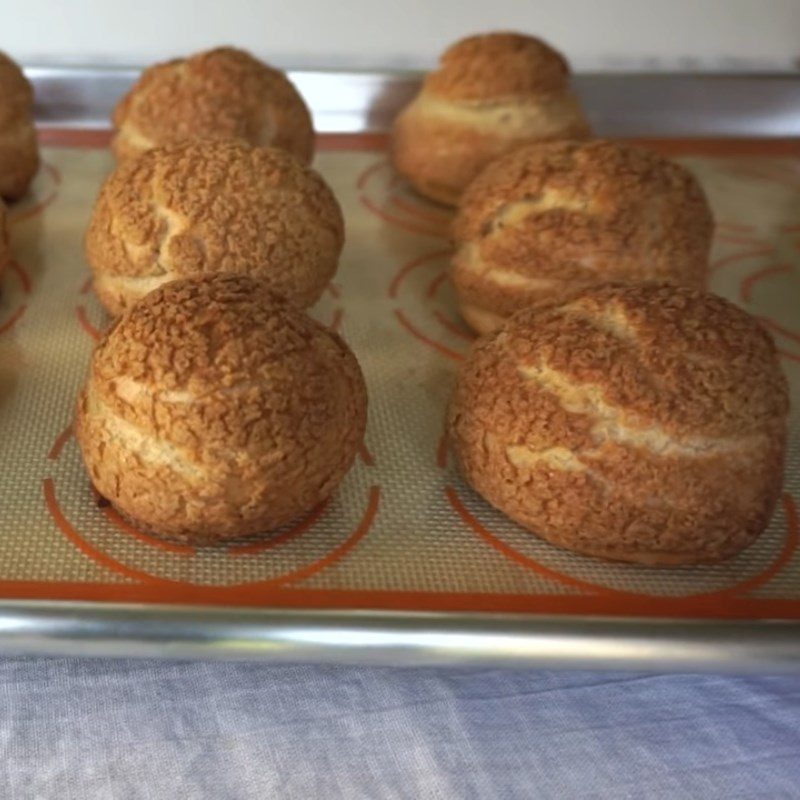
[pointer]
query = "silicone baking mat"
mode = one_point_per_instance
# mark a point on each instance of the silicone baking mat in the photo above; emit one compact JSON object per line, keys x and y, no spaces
{"x":403,"y":531}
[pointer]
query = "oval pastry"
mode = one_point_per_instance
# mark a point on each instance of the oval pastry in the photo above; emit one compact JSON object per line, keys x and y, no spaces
{"x":223,"y":93}
{"x":5,"y":245}
{"x":213,"y":206}
{"x":549,"y":219}
{"x":642,"y":423}
{"x":19,"y":151}
{"x":214,"y":411}
{"x":490,"y":94}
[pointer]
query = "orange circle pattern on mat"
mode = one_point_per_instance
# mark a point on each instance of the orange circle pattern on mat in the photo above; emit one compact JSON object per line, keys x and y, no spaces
{"x":136,"y":543}
{"x":334,"y":557}
{"x":388,"y":198}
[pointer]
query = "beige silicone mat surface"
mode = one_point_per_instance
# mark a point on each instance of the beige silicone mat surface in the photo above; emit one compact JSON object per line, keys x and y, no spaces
{"x":403,"y":532}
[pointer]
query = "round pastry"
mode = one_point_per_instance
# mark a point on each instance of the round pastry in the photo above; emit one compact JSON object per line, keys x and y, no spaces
{"x":636,"y":422}
{"x":225,"y":93}
{"x":214,"y":411}
{"x":490,"y":94}
{"x":5,"y":247}
{"x":213,"y":206}
{"x":19,"y":152}
{"x":549,"y":219}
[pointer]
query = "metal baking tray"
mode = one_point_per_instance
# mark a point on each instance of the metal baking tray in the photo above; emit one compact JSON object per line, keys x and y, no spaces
{"x":404,"y":565}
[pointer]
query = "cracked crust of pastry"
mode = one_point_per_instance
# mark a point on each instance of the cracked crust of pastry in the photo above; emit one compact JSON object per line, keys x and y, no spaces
{"x":640,"y":422}
{"x":490,"y":94}
{"x":213,"y":206}
{"x":546,"y":220}
{"x":5,"y":245}
{"x":225,"y":93}
{"x":212,"y":411}
{"x":19,"y":151}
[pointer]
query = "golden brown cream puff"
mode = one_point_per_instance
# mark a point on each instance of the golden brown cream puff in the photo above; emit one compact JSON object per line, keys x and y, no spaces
{"x":552,"y":218}
{"x":213,"y":410}
{"x":19,"y":151}
{"x":213,"y":206}
{"x":637,"y":422}
{"x":222,"y":93}
{"x":5,"y":246}
{"x":490,"y":94}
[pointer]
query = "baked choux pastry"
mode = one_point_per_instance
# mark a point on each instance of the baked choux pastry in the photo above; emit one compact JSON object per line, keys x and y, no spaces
{"x":633,"y":422}
{"x":490,"y":94}
{"x":549,"y":219}
{"x":19,"y":151}
{"x":214,"y":411}
{"x":5,"y":246}
{"x":223,"y":93}
{"x":213,"y":206}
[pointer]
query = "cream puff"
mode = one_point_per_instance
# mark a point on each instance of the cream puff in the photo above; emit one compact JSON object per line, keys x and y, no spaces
{"x":490,"y":94}
{"x":5,"y":246}
{"x":213,"y":410}
{"x":19,"y":151}
{"x":213,"y":206}
{"x":637,"y":422}
{"x":552,"y":218}
{"x":223,"y":93}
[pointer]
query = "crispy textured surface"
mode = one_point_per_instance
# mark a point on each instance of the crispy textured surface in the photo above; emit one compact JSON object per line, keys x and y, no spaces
{"x":224,"y":93}
{"x":549,"y":219}
{"x":19,"y":151}
{"x":492,"y":66}
{"x":213,"y":206}
{"x":491,"y":94}
{"x":213,"y":411}
{"x":5,"y":245}
{"x":639,"y":422}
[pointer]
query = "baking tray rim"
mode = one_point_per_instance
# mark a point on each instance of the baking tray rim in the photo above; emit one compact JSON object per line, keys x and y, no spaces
{"x":617,"y":103}
{"x":396,"y":638}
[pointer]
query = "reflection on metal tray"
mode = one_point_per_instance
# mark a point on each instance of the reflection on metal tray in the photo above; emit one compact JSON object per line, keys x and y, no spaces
{"x":348,"y":102}
{"x":404,"y":564}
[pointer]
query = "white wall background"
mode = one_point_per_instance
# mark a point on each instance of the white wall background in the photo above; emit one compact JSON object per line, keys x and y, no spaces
{"x":595,"y":34}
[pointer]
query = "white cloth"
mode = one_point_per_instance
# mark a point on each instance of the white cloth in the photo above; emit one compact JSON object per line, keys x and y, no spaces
{"x":125,"y":730}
